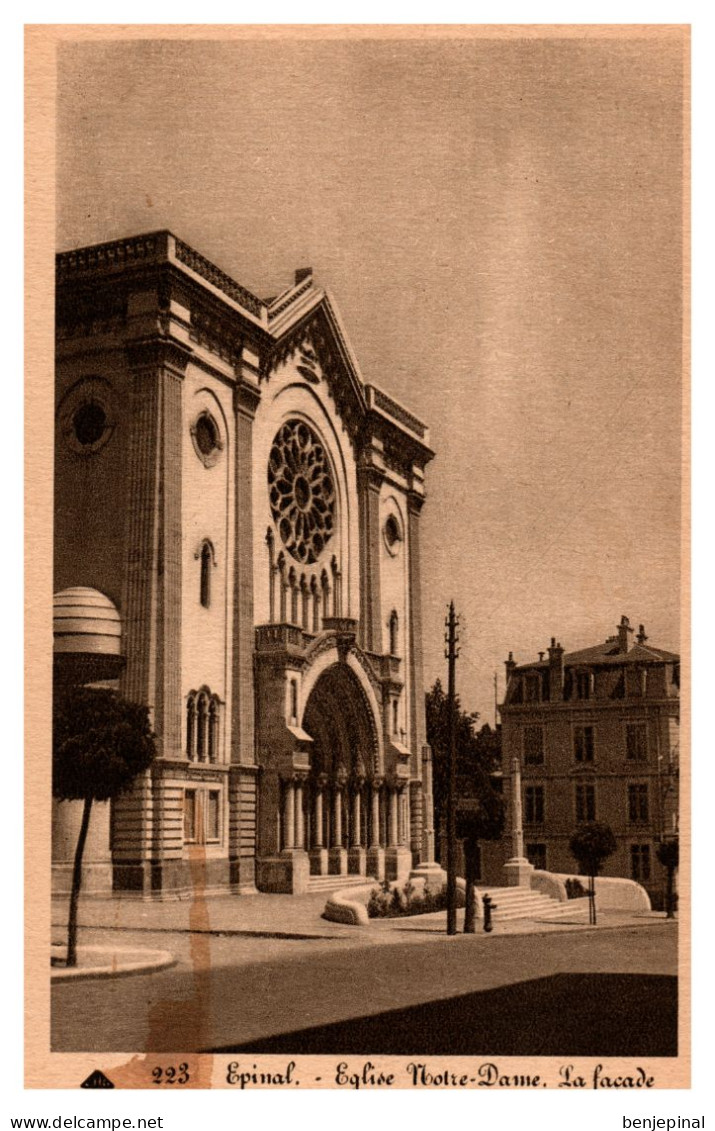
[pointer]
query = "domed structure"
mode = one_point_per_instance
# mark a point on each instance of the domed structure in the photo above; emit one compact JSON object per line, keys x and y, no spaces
{"x":87,"y":632}
{"x":84,"y":620}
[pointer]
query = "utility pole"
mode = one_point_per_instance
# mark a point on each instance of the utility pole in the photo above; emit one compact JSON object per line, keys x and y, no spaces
{"x":451,"y":655}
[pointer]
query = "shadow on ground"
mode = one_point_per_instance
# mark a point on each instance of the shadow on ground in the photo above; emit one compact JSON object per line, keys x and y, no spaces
{"x":562,"y":1015}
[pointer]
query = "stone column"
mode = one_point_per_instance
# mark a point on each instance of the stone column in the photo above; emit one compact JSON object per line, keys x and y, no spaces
{"x":392,"y":830}
{"x":151,"y":601}
{"x":356,"y":855}
{"x":428,"y":868}
{"x":244,"y":844}
{"x":288,"y":816}
{"x":369,"y":484}
{"x":337,"y":855}
{"x":318,"y":851}
{"x":375,"y":859}
{"x":398,"y":858}
{"x":518,"y":869}
{"x":299,"y":816}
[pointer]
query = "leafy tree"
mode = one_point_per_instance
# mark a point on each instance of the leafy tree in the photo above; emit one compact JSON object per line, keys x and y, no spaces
{"x":100,"y":743}
{"x":478,"y":758}
{"x":591,"y":844}
{"x":668,"y":853}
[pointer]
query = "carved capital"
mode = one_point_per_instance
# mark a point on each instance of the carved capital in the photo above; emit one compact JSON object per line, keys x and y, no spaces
{"x":158,"y":353}
{"x":246,"y":399}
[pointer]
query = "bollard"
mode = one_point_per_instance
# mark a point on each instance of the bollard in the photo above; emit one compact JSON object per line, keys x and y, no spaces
{"x":489,"y":907}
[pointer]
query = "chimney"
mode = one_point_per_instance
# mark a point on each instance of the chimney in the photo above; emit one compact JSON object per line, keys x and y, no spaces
{"x":624,"y":629}
{"x":509,"y":664}
{"x":641,"y":637}
{"x":556,"y":671}
{"x":303,"y":273}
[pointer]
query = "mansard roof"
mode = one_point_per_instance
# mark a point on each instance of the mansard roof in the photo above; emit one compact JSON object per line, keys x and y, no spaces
{"x":608,"y":654}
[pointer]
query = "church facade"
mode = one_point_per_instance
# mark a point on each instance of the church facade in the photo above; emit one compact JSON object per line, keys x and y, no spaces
{"x":237,"y":545}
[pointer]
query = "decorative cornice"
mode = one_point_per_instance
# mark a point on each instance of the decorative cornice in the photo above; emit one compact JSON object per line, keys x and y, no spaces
{"x":157,"y":352}
{"x":395,"y":410}
{"x":212,"y":274}
{"x":117,"y":253}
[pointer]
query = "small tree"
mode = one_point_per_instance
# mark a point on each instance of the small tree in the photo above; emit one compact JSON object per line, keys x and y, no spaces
{"x":668,"y":853}
{"x":100,"y":742}
{"x":590,"y":845}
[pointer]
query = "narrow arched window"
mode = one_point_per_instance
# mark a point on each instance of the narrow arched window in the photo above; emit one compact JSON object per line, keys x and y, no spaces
{"x":394,"y":716}
{"x":394,"y":626}
{"x":202,"y":728}
{"x":191,"y":728}
{"x":206,"y":562}
{"x":213,"y":729}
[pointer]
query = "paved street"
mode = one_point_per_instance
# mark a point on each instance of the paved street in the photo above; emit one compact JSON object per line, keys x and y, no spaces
{"x":509,"y":993}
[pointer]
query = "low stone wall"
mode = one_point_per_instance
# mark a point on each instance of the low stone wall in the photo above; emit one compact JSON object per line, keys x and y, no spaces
{"x":548,"y":883}
{"x":349,"y":905}
{"x":613,"y":893}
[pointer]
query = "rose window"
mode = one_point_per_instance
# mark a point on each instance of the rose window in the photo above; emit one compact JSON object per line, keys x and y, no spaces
{"x":302,"y":493}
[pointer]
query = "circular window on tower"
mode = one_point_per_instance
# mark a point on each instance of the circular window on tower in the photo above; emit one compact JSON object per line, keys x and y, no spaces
{"x":87,"y":418}
{"x":392,"y":535}
{"x":206,"y":436}
{"x":301,"y":491}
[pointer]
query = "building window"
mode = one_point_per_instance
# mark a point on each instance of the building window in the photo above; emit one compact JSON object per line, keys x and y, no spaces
{"x":213,"y":816}
{"x":202,"y":816}
{"x":536,"y":855}
{"x":392,"y":535}
{"x":585,"y":803}
{"x":636,"y":742}
{"x":640,"y":862}
{"x":583,"y":743}
{"x":206,"y":437}
{"x":206,"y":563}
{"x":301,"y":491}
{"x":531,"y":688}
{"x":583,"y":685}
{"x":395,"y":716}
{"x":637,"y":803}
{"x":294,"y":701}
{"x":394,"y":626}
{"x":203,"y":712}
{"x":533,"y":745}
{"x":534,"y":805}
{"x":190,"y":816}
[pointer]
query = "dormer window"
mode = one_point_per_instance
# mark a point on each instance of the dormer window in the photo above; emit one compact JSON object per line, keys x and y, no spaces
{"x":584,"y":685}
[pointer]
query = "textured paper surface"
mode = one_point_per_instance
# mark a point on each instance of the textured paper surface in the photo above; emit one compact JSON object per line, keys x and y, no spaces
{"x":49,"y":213}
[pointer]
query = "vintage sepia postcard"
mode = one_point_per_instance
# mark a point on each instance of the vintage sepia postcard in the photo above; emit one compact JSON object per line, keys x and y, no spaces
{"x":357,"y":521}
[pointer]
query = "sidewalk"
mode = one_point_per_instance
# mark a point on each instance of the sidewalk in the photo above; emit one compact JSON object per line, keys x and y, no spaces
{"x":297,"y":919}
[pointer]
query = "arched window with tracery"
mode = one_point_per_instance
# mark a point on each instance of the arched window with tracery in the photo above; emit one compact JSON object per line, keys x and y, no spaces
{"x":202,"y":726}
{"x":213,"y":729}
{"x":203,"y":717}
{"x":191,"y":728}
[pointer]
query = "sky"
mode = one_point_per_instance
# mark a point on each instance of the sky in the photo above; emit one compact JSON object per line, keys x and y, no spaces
{"x":500,"y":222}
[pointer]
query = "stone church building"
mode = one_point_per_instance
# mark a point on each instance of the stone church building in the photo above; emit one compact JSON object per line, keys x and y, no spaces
{"x":237,"y":545}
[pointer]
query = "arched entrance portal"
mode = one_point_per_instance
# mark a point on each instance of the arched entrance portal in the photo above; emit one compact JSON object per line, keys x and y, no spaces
{"x":352,"y":815}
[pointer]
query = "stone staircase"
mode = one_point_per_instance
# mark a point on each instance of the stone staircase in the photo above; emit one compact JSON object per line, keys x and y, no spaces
{"x":522,"y":903}
{"x":337,"y":883}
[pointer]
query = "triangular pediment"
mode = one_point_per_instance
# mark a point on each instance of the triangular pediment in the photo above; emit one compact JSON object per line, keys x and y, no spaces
{"x":310,"y":333}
